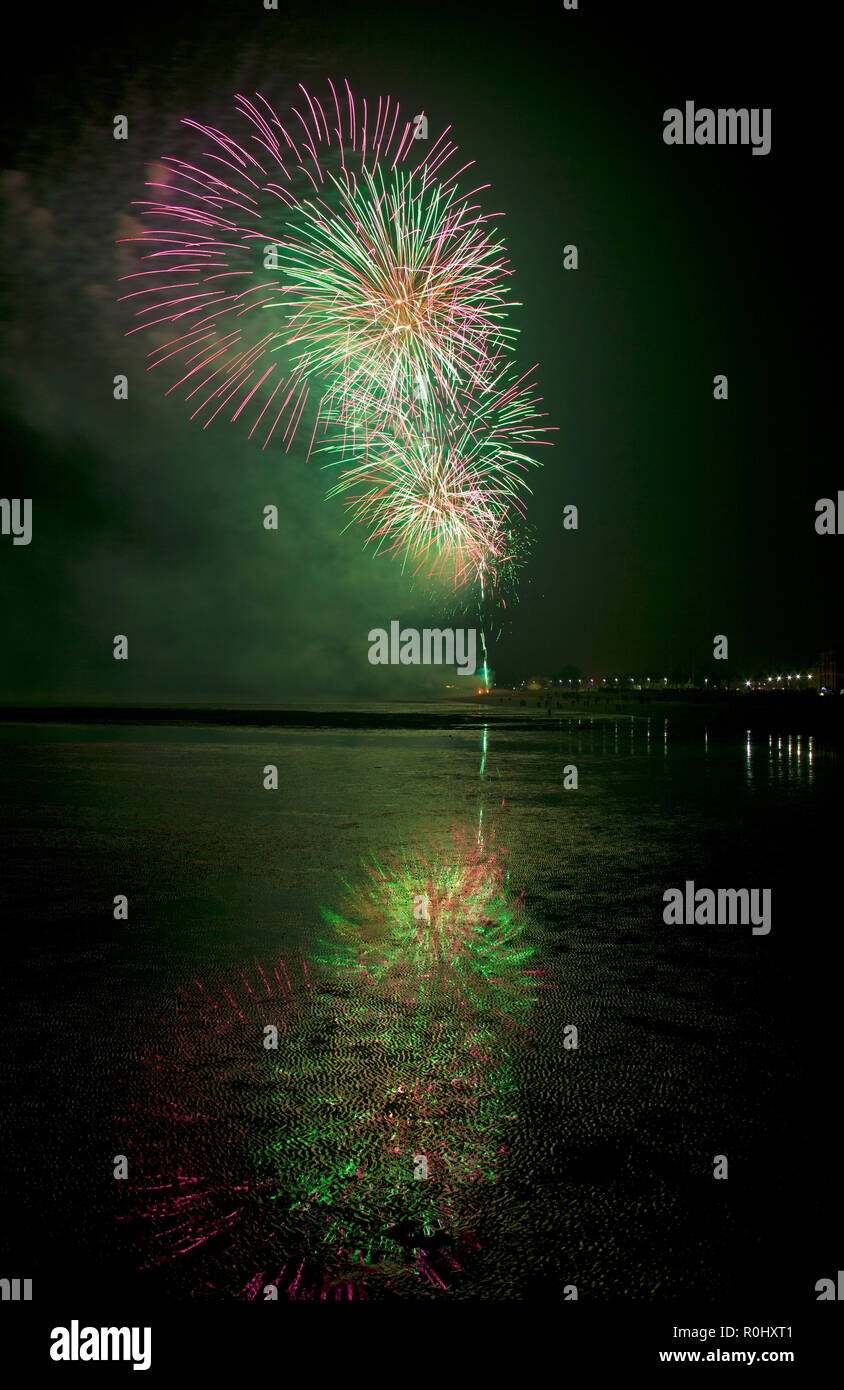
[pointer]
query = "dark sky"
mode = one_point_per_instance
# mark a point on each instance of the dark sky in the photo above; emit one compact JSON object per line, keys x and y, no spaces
{"x":696,"y":517}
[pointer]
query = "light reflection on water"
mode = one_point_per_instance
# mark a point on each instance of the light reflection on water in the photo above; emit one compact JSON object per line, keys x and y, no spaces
{"x":777,"y":757}
{"x":226,"y":883}
{"x":375,"y":1168}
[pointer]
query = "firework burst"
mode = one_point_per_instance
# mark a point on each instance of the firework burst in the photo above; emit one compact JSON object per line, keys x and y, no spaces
{"x":307,"y":256}
{"x":395,"y":291}
{"x":327,"y":273}
{"x":445,"y":492}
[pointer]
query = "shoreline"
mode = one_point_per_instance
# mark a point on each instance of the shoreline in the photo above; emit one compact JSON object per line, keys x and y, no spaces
{"x":803,"y":712}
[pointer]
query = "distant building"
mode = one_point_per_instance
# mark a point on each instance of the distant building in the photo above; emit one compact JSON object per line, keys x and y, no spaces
{"x":828,"y":671}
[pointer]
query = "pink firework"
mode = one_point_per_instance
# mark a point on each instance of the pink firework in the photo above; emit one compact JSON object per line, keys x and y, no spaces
{"x":330,"y":258}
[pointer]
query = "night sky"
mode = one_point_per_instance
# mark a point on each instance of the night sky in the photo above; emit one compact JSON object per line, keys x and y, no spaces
{"x":696,"y":516}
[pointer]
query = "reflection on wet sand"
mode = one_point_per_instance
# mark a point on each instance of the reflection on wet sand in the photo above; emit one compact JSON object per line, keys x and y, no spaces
{"x":333,"y":1126}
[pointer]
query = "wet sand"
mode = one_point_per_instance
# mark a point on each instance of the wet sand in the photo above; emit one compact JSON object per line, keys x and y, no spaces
{"x":297,"y":1166}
